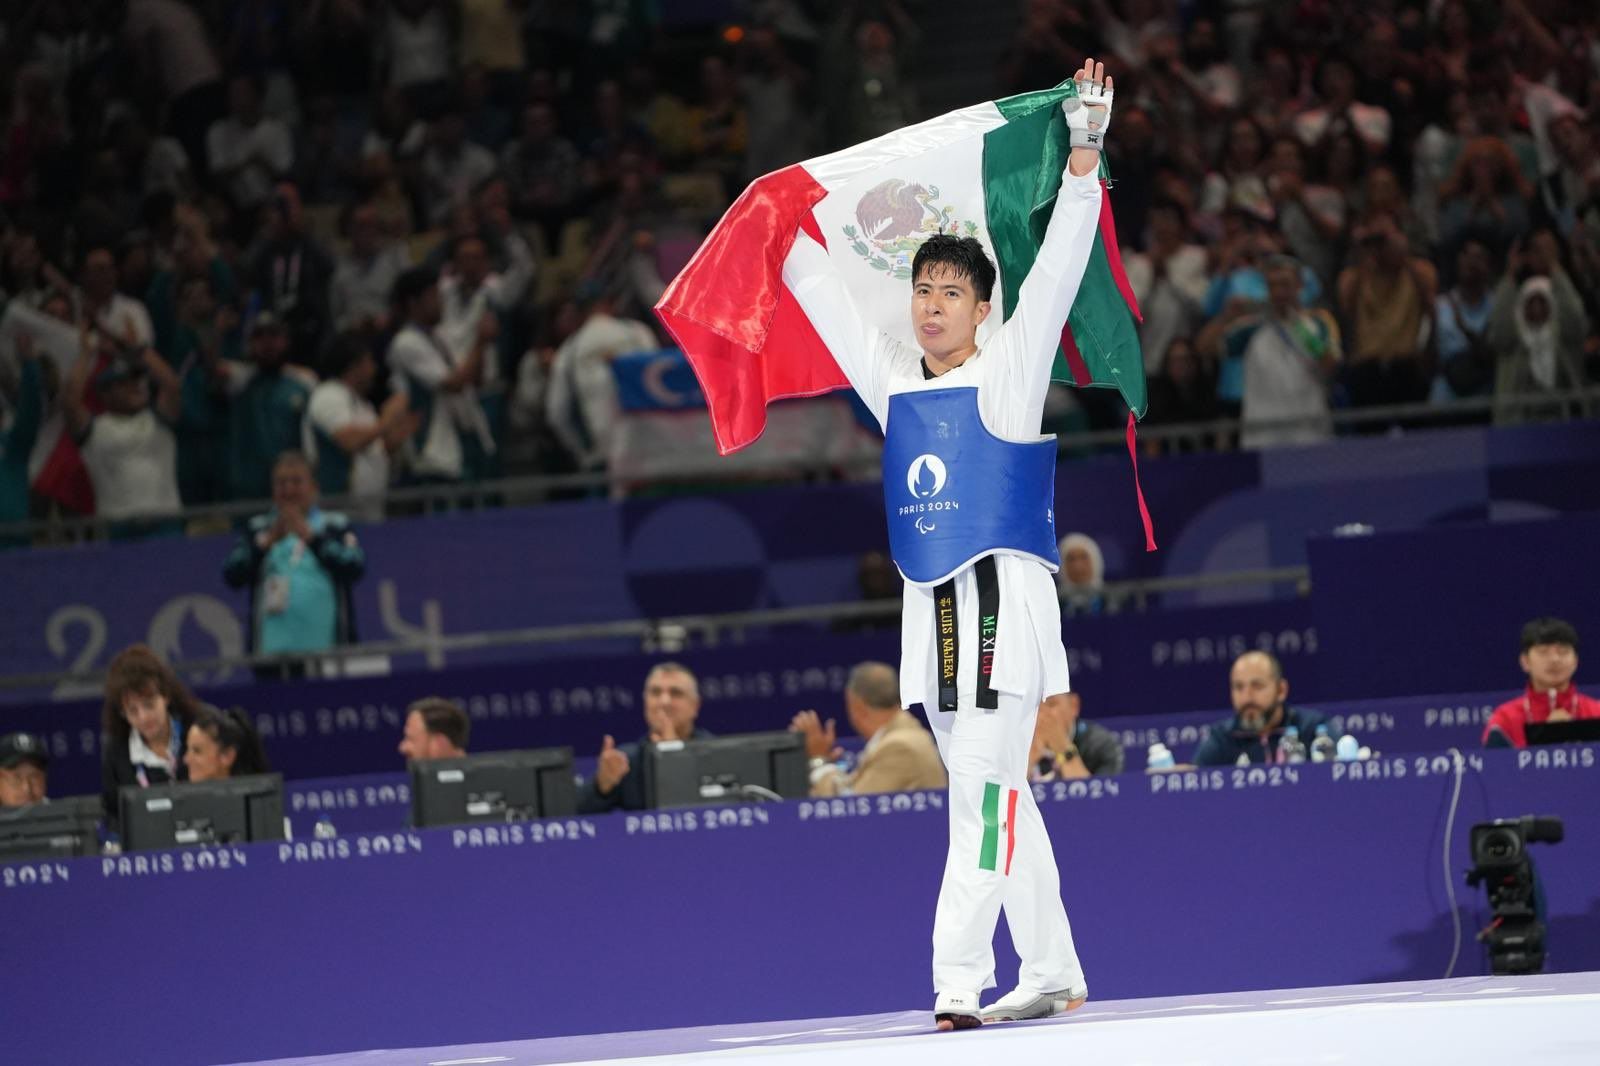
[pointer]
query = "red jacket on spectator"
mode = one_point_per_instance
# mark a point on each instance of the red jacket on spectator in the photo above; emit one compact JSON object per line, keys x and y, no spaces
{"x":1512,"y":717}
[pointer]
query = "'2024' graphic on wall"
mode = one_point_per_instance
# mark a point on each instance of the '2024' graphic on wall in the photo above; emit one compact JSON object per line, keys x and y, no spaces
{"x":200,"y":627}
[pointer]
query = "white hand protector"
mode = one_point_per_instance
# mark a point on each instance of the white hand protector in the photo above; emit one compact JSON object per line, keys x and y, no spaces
{"x":1089,"y":114}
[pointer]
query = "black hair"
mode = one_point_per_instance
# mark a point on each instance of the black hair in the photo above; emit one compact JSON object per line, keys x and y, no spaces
{"x":1549,"y":631}
{"x":964,"y":256}
{"x":344,"y":352}
{"x":412,"y":284}
{"x":232,"y":730}
{"x":445,"y":718}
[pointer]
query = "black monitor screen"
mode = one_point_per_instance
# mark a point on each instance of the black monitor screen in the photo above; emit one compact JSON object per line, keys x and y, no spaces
{"x":1576,"y":731}
{"x":500,"y":786}
{"x":233,"y":811}
{"x":753,"y":766}
{"x":54,"y":829}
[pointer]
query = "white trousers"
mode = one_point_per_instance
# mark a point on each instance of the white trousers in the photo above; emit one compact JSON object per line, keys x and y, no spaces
{"x":999,"y":855}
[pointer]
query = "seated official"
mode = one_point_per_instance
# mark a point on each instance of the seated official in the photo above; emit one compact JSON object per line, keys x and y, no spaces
{"x":1067,"y":746}
{"x":436,"y":728}
{"x":223,"y":744}
{"x":143,"y":723}
{"x":900,"y":754}
{"x":24,"y":766}
{"x":671,"y":705}
{"x":1260,"y":715}
{"x":1550,"y":659}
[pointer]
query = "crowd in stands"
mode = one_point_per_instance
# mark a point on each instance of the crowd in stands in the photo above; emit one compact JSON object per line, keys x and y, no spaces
{"x":406,"y":236}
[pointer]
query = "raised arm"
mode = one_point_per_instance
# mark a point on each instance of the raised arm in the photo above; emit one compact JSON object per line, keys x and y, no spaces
{"x":169,"y":389}
{"x":24,"y":429}
{"x":1030,"y":337}
{"x":73,"y":405}
{"x":826,"y":300}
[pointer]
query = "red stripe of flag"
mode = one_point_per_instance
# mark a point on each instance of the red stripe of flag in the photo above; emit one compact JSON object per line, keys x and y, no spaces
{"x":1011,"y":828}
{"x":1108,"y":234}
{"x":741,"y":329}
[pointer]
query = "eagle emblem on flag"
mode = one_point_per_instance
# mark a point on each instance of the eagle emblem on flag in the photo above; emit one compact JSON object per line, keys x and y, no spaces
{"x":893,"y":218}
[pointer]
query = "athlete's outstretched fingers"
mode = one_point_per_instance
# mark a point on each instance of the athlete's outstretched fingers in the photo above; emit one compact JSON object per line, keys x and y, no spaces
{"x":1108,"y":83}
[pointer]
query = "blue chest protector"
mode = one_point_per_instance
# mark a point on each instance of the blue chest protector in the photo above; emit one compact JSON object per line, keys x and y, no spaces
{"x":954,"y":492}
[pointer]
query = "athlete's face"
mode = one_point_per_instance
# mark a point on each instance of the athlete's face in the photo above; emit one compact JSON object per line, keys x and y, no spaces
{"x":946,"y":311}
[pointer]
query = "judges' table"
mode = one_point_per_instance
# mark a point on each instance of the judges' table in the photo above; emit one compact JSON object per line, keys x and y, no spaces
{"x":1214,"y":880}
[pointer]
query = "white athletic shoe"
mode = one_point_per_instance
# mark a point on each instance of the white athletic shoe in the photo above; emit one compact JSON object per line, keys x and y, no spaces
{"x":1023,"y":1004}
{"x":959,"y":1009}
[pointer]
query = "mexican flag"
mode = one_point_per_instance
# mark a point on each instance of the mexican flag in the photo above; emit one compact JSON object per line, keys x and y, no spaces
{"x":989,"y":171}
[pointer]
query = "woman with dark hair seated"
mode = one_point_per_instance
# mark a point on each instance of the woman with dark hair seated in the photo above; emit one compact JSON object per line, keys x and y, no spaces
{"x":146,"y":713}
{"x":223,"y":744}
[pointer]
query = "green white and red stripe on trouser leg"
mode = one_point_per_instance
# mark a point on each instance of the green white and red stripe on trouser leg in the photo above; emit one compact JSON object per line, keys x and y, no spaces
{"x":999,"y":855}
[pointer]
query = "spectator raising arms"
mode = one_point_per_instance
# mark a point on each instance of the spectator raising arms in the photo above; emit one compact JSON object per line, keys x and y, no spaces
{"x":131,"y":449}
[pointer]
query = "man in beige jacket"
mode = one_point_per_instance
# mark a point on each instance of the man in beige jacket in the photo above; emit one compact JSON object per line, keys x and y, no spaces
{"x":900,"y":754}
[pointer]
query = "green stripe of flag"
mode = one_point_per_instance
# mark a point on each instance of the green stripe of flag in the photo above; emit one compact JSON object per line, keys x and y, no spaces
{"x":991,"y":826}
{"x":1023,"y":161}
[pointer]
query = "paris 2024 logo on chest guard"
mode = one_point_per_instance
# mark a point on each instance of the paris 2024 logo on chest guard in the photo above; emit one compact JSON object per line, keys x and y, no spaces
{"x":925,"y":480}
{"x":894,"y":218}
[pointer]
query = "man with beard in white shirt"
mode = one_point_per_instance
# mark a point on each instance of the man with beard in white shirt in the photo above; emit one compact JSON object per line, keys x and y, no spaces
{"x":581,"y":402}
{"x":440,"y":387}
{"x":347,"y":441}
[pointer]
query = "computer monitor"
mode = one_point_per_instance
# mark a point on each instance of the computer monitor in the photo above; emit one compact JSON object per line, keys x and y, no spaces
{"x":1576,"y":731}
{"x":232,"y":811}
{"x":752,"y":766}
{"x":500,"y":786}
{"x":58,"y":828}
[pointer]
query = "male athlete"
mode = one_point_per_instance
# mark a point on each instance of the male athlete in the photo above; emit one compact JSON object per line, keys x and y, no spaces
{"x":969,"y":490}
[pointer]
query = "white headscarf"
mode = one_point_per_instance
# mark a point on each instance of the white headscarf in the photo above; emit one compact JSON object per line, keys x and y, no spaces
{"x":1097,"y":562}
{"x":1540,"y":340}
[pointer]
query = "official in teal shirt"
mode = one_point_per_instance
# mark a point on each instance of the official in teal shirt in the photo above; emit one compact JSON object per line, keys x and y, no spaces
{"x":300,"y":564}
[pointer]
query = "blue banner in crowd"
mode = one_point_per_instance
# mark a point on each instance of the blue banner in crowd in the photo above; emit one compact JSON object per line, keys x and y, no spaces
{"x":656,"y":381}
{"x":500,"y":932}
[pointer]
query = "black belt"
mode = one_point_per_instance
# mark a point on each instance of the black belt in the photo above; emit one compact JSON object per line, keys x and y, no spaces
{"x":947,"y":636}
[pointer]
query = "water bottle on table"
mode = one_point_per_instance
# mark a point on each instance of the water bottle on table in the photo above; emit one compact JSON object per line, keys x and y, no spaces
{"x":1323,"y":748}
{"x":1159,"y":757}
{"x":1291,"y":748}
